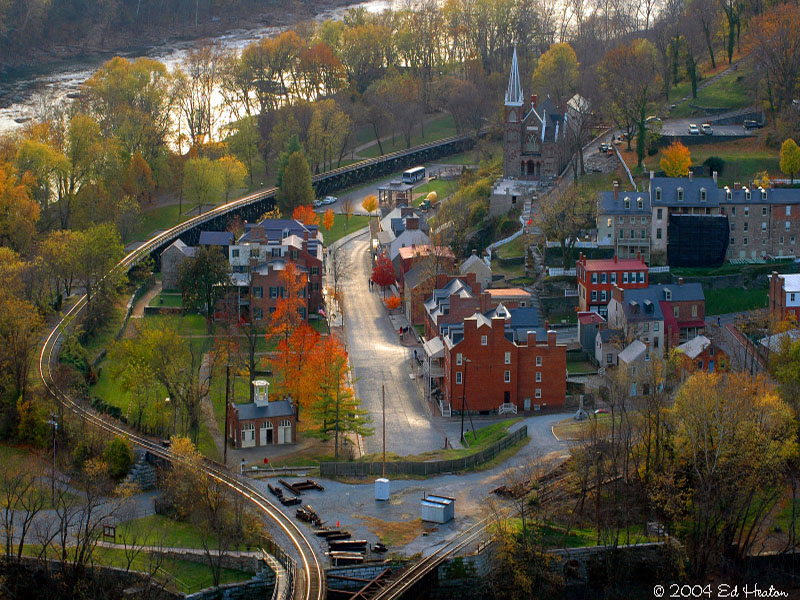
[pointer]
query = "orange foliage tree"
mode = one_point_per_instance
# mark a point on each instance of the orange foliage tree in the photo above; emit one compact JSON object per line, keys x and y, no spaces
{"x":287,"y":316}
{"x":393,"y":302}
{"x":327,"y":220}
{"x":676,"y":160}
{"x":295,"y":364}
{"x":306,"y":215}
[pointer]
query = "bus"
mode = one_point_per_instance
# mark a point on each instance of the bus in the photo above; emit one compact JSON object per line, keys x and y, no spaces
{"x":414,"y":175}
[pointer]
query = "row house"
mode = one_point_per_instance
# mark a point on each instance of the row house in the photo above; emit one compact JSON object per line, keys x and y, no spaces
{"x":624,"y":223}
{"x":503,"y":361}
{"x":403,"y":227}
{"x":597,"y":278}
{"x":260,"y":255}
{"x":784,"y":296}
{"x":661,"y":316}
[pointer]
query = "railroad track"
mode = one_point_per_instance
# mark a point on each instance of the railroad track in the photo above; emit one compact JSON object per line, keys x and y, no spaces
{"x":313,"y":575}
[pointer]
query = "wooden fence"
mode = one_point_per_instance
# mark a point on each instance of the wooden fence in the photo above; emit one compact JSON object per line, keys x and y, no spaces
{"x":434,"y":467}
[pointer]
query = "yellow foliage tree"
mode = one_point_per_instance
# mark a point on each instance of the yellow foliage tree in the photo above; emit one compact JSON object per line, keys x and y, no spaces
{"x":676,"y":160}
{"x":370,"y":203}
{"x":328,"y":219}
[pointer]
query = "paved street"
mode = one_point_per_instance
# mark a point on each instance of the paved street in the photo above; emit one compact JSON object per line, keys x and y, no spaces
{"x":379,"y":359}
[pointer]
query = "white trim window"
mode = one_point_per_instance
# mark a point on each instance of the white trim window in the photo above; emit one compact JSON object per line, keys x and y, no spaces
{"x":507,"y":358}
{"x":538,"y":392}
{"x":459,"y":375}
{"x":538,"y":376}
{"x":484,"y":340}
{"x":507,"y":376}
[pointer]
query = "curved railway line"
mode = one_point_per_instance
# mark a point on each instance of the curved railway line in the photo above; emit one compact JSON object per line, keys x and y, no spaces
{"x":310,"y":569}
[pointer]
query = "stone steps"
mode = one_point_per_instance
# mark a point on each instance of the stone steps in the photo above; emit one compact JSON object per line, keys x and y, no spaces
{"x":142,"y":473}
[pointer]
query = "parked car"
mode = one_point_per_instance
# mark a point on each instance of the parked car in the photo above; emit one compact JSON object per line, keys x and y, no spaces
{"x":601,"y":411}
{"x":750,"y":124}
{"x":707,"y":130}
{"x":652,"y":120}
{"x":317,"y":203}
{"x":329,"y":200}
{"x":693,"y":130}
{"x":604,"y":147}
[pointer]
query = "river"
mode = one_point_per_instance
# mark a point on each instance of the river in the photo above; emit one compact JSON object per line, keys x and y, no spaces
{"x":31,"y":95}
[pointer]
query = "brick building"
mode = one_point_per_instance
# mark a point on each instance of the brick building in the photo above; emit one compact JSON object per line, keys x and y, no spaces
{"x":597,"y":278}
{"x":262,"y":423}
{"x":784,"y":296}
{"x":260,"y":255}
{"x":624,"y":222}
{"x":502,"y":360}
{"x":702,"y":354}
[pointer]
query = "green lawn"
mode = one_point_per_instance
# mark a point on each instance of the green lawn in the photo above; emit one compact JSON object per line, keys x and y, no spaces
{"x":437,"y":129}
{"x":570,"y":429}
{"x":556,"y":536}
{"x":721,"y":302}
{"x":160,"y":530}
{"x":442,"y":187}
{"x":342,"y":227}
{"x":510,"y":271}
{"x":101,"y":338}
{"x":170,"y":300}
{"x":183,"y":324}
{"x":516,"y":247}
{"x":155,"y":219}
{"x":580,"y":366}
{"x":729,"y":91}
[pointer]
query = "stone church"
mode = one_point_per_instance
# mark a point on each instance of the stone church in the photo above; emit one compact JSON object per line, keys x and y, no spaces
{"x":534,"y":137}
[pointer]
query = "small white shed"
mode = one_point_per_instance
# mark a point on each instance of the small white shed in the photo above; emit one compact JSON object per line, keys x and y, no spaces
{"x":382,"y":489}
{"x":438,"y":509}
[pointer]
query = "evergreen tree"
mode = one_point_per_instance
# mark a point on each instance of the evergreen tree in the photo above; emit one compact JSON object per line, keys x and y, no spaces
{"x":295,"y":187}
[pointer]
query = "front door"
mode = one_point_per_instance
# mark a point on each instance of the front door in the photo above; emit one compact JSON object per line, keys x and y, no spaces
{"x":285,"y":432}
{"x":506,"y":397}
{"x":526,"y":403}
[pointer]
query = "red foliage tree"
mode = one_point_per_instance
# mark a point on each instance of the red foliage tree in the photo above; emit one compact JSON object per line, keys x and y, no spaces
{"x":383,"y":272}
{"x":306,"y":215}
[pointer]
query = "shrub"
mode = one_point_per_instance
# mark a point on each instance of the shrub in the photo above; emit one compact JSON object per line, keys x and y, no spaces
{"x":81,"y":454}
{"x":714,"y":163}
{"x":119,"y":456}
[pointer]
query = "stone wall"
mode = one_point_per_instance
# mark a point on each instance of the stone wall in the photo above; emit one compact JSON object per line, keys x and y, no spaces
{"x":239,"y":561}
{"x":257,"y":587}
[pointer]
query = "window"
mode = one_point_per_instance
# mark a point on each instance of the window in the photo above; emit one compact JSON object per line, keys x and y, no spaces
{"x":538,"y":393}
{"x":276,"y":252}
{"x":746,"y":196}
{"x":538,"y":376}
{"x":603,"y":278}
{"x":763,"y":225}
{"x":655,"y":342}
{"x":728,"y":196}
{"x":627,"y":202}
{"x":508,"y":358}
{"x":702,"y":194}
{"x":781,"y":240}
{"x":746,"y":226}
{"x":608,"y":358}
{"x":484,"y":340}
{"x":644,"y":234}
{"x":733,"y":226}
{"x":763,"y":195}
{"x":594,"y":277}
{"x":538,"y":361}
{"x":594,"y":295}
{"x":659,"y":213}
{"x":647,"y":327}
{"x":658,"y":197}
{"x":639,"y":203}
{"x":791,"y":240}
{"x":643,"y":220}
{"x":624,"y":277}
{"x":614,"y":277}
{"x":787,"y":226}
{"x":621,"y":233}
{"x":258,"y":292}
{"x":763,"y":211}
{"x":788,"y":210}
{"x":744,"y":241}
{"x":459,"y":359}
{"x":315,"y":270}
{"x":621,"y":220}
{"x":746,"y":211}
{"x":633,"y":220}
{"x":603,"y":296}
{"x":609,"y":222}
{"x":656,"y":326}
{"x":764,"y":242}
{"x":507,"y":376}
{"x":641,"y":276}
{"x":658,"y":233}
{"x":694,"y":310}
{"x":680,"y":194}
{"x":633,"y":234}
{"x":458,"y":377}
{"x":258,"y":313}
{"x":791,"y":297}
{"x":302,"y":312}
{"x":272,"y":309}
{"x":733,"y":208}
{"x":733,"y":241}
{"x":273,"y":292}
{"x":235,"y":252}
{"x":646,"y":357}
{"x":676,"y":311}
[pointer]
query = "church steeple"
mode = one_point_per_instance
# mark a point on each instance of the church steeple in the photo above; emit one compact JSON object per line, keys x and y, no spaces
{"x":514,"y":95}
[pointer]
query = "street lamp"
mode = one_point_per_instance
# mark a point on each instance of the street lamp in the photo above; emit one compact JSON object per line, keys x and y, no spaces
{"x":54,"y":424}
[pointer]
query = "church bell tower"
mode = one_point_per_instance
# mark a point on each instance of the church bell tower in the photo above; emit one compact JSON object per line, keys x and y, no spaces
{"x":513,"y":126}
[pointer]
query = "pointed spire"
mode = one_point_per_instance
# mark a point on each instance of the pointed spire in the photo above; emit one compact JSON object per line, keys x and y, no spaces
{"x":514,"y":92}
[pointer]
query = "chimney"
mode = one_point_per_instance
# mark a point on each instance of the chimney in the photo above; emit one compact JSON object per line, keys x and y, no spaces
{"x":615,"y":259}
{"x":551,"y":338}
{"x":616,"y":190}
{"x":715,"y":175}
{"x":486,"y":301}
{"x":257,"y":233}
{"x":406,"y":211}
{"x":680,"y":280}
{"x":412,"y":223}
{"x":691,"y":175}
{"x":737,"y":185}
{"x":474,"y":252}
{"x":580,"y":257}
{"x":652,"y":174}
{"x":534,"y":100}
{"x":617,"y":294}
{"x":305,"y":234}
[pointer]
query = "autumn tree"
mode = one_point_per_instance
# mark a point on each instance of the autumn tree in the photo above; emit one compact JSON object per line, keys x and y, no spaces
{"x":305,"y":214}
{"x":790,"y":158}
{"x":291,"y":305}
{"x":19,"y":212}
{"x":232,"y":172}
{"x":628,"y":76}
{"x":20,"y":327}
{"x":295,"y":187}
{"x":556,"y":74}
{"x":393,"y":302}
{"x":383,"y":272}
{"x":294,"y":366}
{"x":202,"y":182}
{"x":775,"y":44}
{"x":370,"y":203}
{"x":327,"y":134}
{"x":676,"y":160}
{"x":564,"y":216}
{"x":204,"y":279}
{"x":99,"y":249}
{"x":328,"y":219}
{"x":347,"y":209}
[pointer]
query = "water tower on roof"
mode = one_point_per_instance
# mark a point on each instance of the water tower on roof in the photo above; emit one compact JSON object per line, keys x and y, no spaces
{"x":261,"y":394}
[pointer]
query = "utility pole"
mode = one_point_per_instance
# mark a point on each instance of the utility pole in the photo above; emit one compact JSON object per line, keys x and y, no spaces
{"x":383,"y":406}
{"x":54,"y":423}
{"x":227,"y":402}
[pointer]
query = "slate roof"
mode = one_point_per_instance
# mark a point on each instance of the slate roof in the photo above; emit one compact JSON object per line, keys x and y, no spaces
{"x":187,"y":251}
{"x":791,"y":283}
{"x":419,"y":271}
{"x":607,"y":335}
{"x":274,"y":230}
{"x":694,"y":347}
{"x":644,"y":304}
{"x":632,"y":352}
{"x":608,"y":205}
{"x":277,"y":408}
{"x":216,"y":238}
{"x":691,"y":191}
{"x":474,"y":258}
{"x":518,"y":322}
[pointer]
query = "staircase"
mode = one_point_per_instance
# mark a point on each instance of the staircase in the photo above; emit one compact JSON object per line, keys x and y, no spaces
{"x":142,"y":473}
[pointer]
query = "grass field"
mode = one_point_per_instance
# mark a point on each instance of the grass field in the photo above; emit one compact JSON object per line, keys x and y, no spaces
{"x":570,"y":429}
{"x":556,"y":536}
{"x":510,"y":271}
{"x":722,"y":302}
{"x":101,"y":338}
{"x":158,"y":530}
{"x":729,"y":91}
{"x":342,"y":227}
{"x":581,"y":366}
{"x":155,"y":219}
{"x":442,"y":187}
{"x":516,"y":247}
{"x":168,"y":299}
{"x":437,"y":129}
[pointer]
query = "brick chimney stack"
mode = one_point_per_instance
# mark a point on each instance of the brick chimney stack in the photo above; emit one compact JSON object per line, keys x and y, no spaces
{"x":616,"y":190}
{"x":486,"y":301}
{"x":551,"y":338}
{"x":412,"y":223}
{"x":615,"y":259}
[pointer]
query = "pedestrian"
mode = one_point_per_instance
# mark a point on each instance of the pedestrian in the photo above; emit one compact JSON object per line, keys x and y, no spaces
{"x":415,"y":354}
{"x":719,"y":322}
{"x":445,"y":442}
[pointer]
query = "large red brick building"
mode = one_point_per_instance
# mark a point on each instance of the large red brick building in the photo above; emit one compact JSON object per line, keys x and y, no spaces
{"x":597,"y":278}
{"x":501,"y":360}
{"x":784,"y":296}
